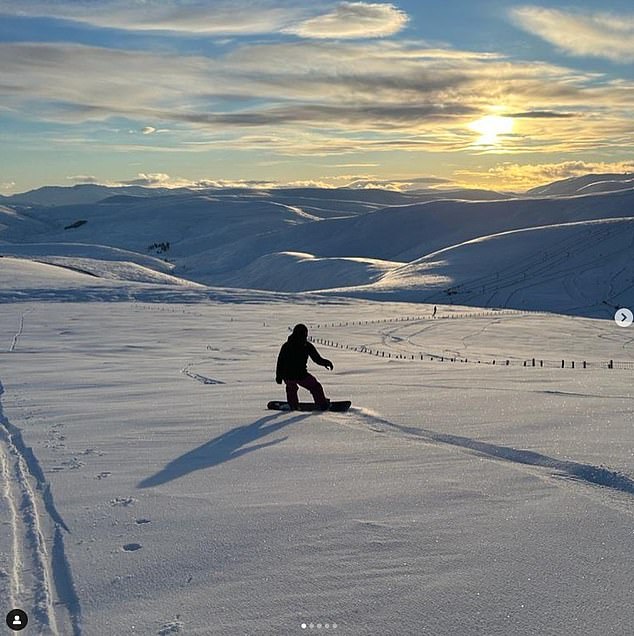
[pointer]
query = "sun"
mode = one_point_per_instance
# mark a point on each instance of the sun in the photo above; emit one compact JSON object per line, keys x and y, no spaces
{"x":490,"y":127}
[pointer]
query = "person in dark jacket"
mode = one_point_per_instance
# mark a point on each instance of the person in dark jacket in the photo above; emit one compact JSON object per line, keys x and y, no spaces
{"x":291,"y":368}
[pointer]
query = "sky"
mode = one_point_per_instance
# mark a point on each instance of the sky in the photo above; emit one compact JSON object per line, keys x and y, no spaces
{"x":491,"y":94}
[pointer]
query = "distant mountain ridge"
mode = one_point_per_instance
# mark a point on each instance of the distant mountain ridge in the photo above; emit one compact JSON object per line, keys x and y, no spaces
{"x":85,"y":193}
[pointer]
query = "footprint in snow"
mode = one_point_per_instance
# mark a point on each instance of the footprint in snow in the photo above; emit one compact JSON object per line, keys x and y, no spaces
{"x":132,"y":547}
{"x":123,"y":501}
{"x":173,"y":627}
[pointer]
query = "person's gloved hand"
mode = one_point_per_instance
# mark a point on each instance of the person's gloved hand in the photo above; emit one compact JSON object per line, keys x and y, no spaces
{"x":278,"y":380}
{"x":329,"y":365}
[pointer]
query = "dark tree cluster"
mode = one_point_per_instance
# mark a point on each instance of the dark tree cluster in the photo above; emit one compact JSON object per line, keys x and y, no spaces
{"x":160,"y":248}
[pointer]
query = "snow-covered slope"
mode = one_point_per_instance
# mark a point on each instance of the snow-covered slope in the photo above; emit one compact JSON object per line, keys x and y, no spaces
{"x":41,"y":251}
{"x":453,"y":499}
{"x":575,"y":267}
{"x":585,"y":184}
{"x":299,"y":271}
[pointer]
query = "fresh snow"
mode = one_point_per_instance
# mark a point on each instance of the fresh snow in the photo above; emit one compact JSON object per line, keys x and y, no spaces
{"x":482,"y":482}
{"x":444,"y":502}
{"x":573,"y":268}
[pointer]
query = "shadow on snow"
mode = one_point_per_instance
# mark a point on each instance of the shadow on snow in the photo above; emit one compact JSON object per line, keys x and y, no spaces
{"x":223,"y":448}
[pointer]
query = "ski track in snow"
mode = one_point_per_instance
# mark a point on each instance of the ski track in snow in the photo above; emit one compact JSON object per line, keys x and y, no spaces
{"x":576,"y":471}
{"x":197,"y":376}
{"x":18,"y":333}
{"x":40,"y":578}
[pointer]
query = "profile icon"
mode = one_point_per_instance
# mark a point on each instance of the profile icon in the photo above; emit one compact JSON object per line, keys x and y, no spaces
{"x":17,"y":620}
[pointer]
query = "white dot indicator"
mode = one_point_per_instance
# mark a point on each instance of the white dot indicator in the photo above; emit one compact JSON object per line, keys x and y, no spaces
{"x":624,"y":317}
{"x":304,"y":626}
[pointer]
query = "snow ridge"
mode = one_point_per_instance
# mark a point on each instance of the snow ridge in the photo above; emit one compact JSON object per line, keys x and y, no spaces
{"x":588,"y":473}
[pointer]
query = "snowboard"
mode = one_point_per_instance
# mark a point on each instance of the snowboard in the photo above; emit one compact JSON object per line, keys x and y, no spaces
{"x":280,"y":405}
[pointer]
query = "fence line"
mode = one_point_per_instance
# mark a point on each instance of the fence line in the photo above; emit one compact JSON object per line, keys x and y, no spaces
{"x":453,"y":316}
{"x":504,"y":362}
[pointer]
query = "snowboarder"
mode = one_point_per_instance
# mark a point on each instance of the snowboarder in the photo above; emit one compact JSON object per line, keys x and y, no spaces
{"x":291,"y":368}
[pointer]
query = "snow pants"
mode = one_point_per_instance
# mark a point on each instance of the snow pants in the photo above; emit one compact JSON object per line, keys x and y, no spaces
{"x":309,"y":382}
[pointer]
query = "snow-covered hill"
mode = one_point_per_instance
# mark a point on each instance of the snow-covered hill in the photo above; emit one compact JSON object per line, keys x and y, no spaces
{"x":569,"y":268}
{"x":299,"y":271}
{"x":343,"y":240}
{"x":585,"y":184}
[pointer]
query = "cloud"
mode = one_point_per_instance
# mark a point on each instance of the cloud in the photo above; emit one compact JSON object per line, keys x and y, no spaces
{"x":153,"y":180}
{"x":353,"y":20}
{"x":313,"y":97}
{"x":515,"y":176}
{"x":603,"y":35}
{"x":354,"y":165}
{"x":185,"y":16}
{"x":400,"y":185}
{"x":81,"y":178}
{"x":541,"y":114}
{"x":162,"y":180}
{"x":7,"y":186}
{"x":239,"y":17}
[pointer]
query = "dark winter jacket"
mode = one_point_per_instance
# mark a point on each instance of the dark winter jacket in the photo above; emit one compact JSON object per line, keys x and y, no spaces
{"x":293,"y":358}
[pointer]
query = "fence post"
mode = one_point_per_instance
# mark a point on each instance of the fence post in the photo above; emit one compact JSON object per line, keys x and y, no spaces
{"x":563,"y":364}
{"x":584,"y":364}
{"x":573,"y":365}
{"x":611,"y":364}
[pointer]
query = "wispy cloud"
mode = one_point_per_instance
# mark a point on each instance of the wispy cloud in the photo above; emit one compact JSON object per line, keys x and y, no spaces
{"x":317,"y":97}
{"x":83,"y":178}
{"x":163,"y":180}
{"x":541,"y":114}
{"x":239,"y":17}
{"x":604,"y":35}
{"x":353,"y":20}
{"x":233,"y":18}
